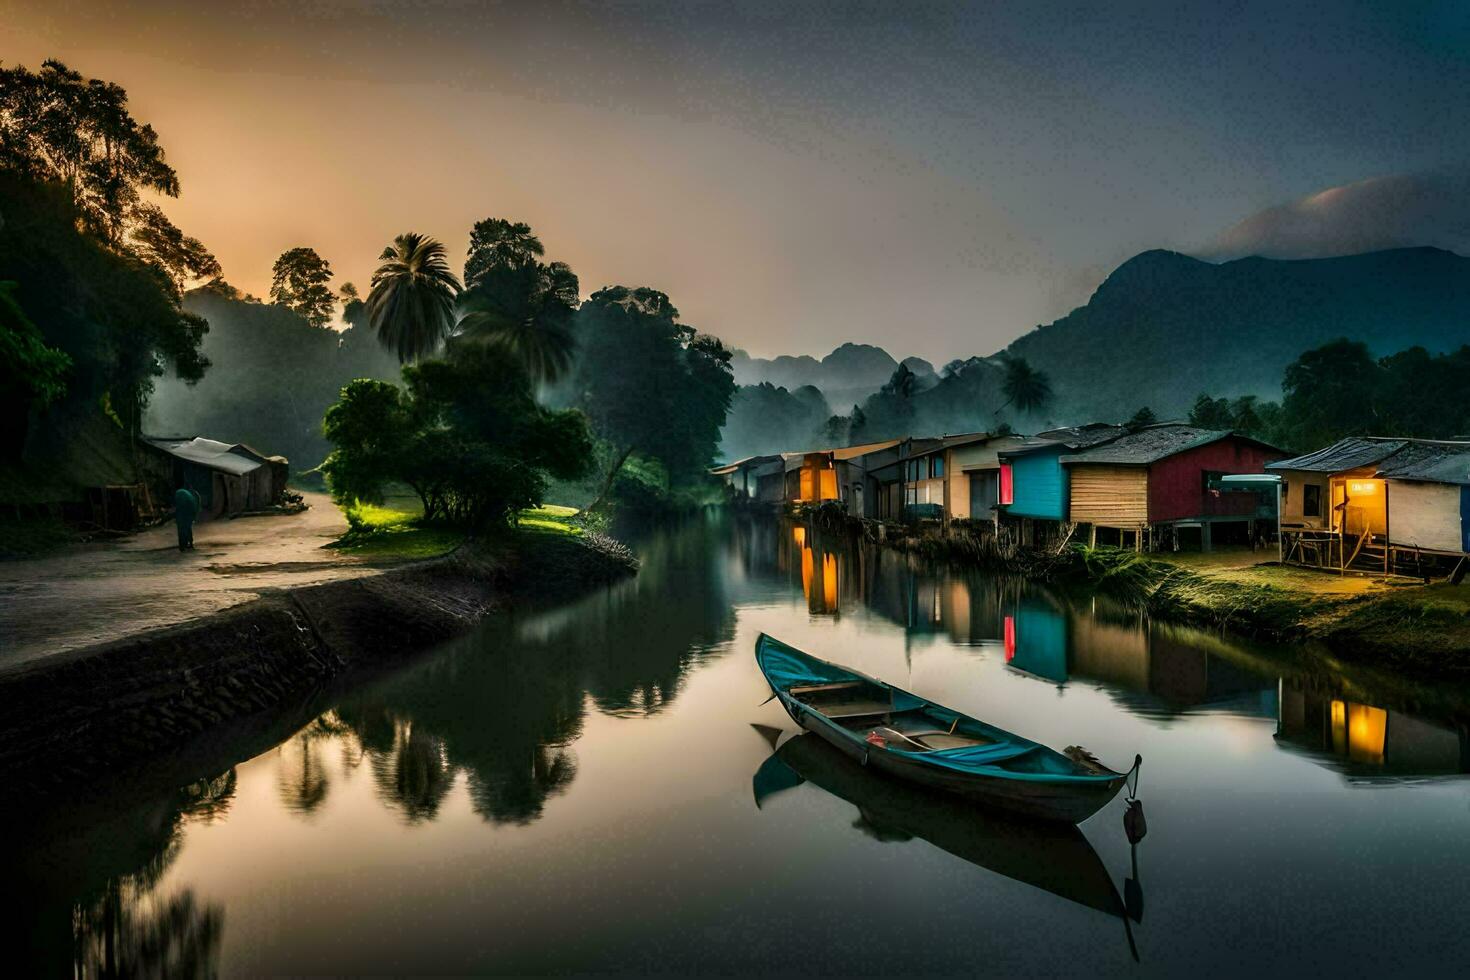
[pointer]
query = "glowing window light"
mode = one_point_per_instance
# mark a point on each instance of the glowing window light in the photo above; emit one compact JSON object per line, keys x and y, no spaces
{"x":1007,"y":484}
{"x":1362,"y":488}
{"x":829,"y":582}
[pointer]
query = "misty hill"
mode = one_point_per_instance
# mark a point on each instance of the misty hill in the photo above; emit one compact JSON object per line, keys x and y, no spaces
{"x":849,"y":374}
{"x":1165,"y":327}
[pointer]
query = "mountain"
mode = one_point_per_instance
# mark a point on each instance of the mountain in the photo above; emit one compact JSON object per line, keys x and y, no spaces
{"x":851,"y":367}
{"x":1164,"y":327}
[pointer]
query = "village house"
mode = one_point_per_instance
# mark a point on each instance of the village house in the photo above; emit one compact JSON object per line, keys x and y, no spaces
{"x":1427,"y":498}
{"x":229,"y":478}
{"x":1151,"y":485}
{"x":755,"y":479}
{"x":845,"y":475}
{"x":954,"y":477}
{"x":1342,"y":506}
{"x":1032,"y":487}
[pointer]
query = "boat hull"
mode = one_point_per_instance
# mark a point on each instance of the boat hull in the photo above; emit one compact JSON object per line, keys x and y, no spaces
{"x":1068,"y":803}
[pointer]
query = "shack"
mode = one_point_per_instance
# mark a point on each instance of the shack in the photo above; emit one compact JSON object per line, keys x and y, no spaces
{"x":846,"y":475}
{"x":1032,"y":487}
{"x":755,"y":479}
{"x":1427,"y":503}
{"x":955,"y":477}
{"x":1154,"y":483}
{"x":229,"y":478}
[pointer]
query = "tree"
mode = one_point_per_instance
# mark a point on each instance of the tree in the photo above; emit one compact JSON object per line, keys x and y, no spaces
{"x":157,"y":241}
{"x":527,"y":311}
{"x":299,"y":282}
{"x":57,"y":126}
{"x":496,"y":243}
{"x":1211,"y":413}
{"x":1024,"y":386}
{"x":117,"y":318}
{"x":651,"y":384}
{"x":32,"y":375}
{"x":1143,"y":417}
{"x":1333,"y":391}
{"x":466,"y":435}
{"x":411,"y":304}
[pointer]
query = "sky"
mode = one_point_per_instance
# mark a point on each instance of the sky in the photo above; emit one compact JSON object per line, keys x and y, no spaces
{"x":934,"y":178}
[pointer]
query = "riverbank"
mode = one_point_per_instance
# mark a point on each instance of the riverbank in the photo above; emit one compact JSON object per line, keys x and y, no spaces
{"x":89,"y":709}
{"x":1392,"y":623}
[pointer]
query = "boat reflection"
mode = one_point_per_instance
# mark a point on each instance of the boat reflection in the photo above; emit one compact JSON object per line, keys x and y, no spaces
{"x":1056,"y":858}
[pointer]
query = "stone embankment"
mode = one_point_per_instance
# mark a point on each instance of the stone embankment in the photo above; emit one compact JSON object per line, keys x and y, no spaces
{"x":90,"y":709}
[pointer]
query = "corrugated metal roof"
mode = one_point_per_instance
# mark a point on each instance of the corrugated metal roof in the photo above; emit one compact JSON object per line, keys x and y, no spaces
{"x":1344,"y":454}
{"x":741,"y":463}
{"x":936,"y":443}
{"x":236,"y":459}
{"x":1072,"y":437}
{"x":1431,"y":462}
{"x":1148,"y":445}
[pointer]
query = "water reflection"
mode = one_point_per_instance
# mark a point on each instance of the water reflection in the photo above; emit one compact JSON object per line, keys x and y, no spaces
{"x":97,"y":903}
{"x":1364,"y":740}
{"x":1056,"y":858}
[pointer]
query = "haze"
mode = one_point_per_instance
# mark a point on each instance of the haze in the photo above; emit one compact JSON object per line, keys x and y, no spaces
{"x":936,"y":179}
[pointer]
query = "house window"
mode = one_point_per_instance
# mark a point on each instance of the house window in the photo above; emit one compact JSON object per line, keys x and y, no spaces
{"x":936,"y":466}
{"x":912,"y":496}
{"x":1311,"y":500}
{"x":1007,"y":484}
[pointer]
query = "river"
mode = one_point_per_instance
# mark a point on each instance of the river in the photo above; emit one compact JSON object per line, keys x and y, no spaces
{"x":591,"y":788}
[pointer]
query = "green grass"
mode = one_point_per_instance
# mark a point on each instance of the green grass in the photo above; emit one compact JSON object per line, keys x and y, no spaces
{"x":549,"y":519}
{"x":392,"y":532}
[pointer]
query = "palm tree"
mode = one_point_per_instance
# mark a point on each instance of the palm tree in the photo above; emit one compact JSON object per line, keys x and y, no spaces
{"x":527,"y":311}
{"x":411,"y":303}
{"x":1024,"y":386}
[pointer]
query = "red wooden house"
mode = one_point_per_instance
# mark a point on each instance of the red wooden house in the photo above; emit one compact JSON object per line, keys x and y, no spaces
{"x":1156,"y":482}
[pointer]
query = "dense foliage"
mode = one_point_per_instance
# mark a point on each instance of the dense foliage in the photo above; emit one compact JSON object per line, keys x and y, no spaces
{"x":651,"y":384}
{"x":765,"y":418}
{"x":117,"y":317}
{"x":465,"y":433}
{"x":272,"y":377}
{"x":1340,"y":389}
{"x":299,"y":282}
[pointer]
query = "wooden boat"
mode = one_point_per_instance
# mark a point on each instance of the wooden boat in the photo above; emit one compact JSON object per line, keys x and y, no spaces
{"x":1054,"y":857}
{"x":905,"y":736}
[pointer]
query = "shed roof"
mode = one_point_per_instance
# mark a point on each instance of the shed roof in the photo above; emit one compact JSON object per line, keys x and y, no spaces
{"x":923,"y":447}
{"x":1069,"y":437}
{"x":237,"y":459}
{"x":1152,"y":443}
{"x":742,"y":463}
{"x":847,"y":452}
{"x":1344,"y":454}
{"x":1431,"y":462}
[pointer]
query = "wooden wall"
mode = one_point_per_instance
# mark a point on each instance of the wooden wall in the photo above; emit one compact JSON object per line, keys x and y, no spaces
{"x":1109,"y":496}
{"x":1176,"y":485}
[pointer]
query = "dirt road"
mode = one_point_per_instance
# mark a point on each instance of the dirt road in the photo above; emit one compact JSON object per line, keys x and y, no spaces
{"x":96,"y":592}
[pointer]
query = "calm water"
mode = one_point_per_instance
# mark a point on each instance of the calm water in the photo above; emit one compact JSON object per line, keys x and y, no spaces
{"x":576,"y":790}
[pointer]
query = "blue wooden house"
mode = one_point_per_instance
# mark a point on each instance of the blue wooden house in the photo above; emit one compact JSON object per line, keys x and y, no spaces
{"x":1033,"y":482}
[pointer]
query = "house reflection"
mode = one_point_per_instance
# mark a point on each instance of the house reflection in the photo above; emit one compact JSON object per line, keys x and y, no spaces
{"x":1365,"y":739}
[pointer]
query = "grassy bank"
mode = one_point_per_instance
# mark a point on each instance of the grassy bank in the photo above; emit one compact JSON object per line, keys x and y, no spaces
{"x":396,"y":530}
{"x":1394,"y":623}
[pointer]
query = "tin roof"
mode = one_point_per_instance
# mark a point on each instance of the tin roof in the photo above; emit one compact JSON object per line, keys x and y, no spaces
{"x":1430,"y":462}
{"x":1150,"y":444}
{"x":1071,"y":437}
{"x":237,"y":459}
{"x":1344,"y":454}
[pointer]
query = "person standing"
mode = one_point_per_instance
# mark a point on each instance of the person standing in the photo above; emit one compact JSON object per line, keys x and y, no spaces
{"x":186,"y":507}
